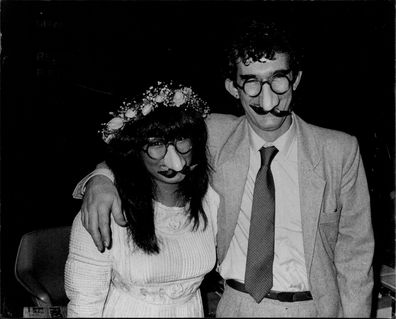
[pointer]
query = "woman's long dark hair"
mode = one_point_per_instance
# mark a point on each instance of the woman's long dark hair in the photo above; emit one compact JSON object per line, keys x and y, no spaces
{"x":135,"y":185}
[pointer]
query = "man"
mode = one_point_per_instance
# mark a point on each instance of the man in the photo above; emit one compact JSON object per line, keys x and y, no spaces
{"x":320,"y":245}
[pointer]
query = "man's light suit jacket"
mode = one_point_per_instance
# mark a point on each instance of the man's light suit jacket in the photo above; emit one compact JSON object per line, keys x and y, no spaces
{"x":335,"y":209}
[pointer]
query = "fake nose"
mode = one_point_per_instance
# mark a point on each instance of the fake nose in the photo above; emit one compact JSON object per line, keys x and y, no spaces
{"x":173,"y":159}
{"x":268,"y":99}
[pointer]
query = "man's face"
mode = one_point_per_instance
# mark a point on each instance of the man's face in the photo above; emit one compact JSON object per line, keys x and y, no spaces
{"x":268,"y":126}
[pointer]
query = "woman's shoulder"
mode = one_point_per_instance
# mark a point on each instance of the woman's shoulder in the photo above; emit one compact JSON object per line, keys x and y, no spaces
{"x":211,"y":204}
{"x":82,"y":240}
{"x":81,"y":243}
{"x":211,"y":195}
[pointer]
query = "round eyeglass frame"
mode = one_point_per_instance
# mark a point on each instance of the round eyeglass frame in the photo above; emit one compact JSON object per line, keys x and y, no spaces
{"x":146,"y":147}
{"x":269,"y":81}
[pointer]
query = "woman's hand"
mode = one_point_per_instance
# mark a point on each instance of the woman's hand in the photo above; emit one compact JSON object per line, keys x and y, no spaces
{"x":101,"y":198}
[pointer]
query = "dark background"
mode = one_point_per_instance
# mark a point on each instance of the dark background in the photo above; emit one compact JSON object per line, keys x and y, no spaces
{"x":65,"y":64}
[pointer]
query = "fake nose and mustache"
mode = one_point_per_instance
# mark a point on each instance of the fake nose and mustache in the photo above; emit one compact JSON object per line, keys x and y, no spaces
{"x":274,"y":111}
{"x":172,"y":173}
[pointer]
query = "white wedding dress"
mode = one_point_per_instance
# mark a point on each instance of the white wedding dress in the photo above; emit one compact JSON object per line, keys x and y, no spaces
{"x":125,"y":282}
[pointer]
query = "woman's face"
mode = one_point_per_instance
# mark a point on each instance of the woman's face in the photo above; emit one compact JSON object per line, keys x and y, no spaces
{"x":165,"y":160}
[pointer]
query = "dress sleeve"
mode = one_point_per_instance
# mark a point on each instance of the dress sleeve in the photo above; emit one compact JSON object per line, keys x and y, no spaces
{"x":87,"y":274}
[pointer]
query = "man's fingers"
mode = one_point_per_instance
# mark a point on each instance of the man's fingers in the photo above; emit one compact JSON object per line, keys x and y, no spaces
{"x":97,"y":238}
{"x":97,"y":204}
{"x":83,"y":220}
{"x":104,"y":224}
{"x":84,"y":214}
{"x":117,"y":212}
{"x":93,"y":229}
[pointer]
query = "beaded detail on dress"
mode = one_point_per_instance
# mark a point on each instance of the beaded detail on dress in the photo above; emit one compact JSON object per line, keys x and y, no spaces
{"x":171,"y":220}
{"x":170,"y":293}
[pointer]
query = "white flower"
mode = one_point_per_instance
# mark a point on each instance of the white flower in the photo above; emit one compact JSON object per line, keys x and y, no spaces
{"x":160,"y":98}
{"x":115,"y":123}
{"x":108,"y":138}
{"x":175,"y":291}
{"x":147,"y":108}
{"x":175,"y":223}
{"x":179,"y":98}
{"x":130,"y":113}
{"x":187,"y":91}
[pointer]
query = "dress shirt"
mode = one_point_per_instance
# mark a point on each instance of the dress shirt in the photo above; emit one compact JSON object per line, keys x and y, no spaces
{"x":289,"y":268}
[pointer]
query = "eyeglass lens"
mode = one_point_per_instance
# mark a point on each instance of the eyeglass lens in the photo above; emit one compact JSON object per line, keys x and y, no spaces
{"x":157,"y":149}
{"x":278,"y":84}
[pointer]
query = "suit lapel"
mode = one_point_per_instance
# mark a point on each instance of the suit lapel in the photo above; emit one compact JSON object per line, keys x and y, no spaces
{"x":235,"y":155}
{"x":311,"y":187}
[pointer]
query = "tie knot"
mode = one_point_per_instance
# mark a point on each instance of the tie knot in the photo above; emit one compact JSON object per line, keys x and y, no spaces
{"x":267,"y":155}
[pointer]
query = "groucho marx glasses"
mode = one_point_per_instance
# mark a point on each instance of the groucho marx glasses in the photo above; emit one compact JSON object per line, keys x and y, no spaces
{"x":279,"y":84}
{"x":156,"y":148}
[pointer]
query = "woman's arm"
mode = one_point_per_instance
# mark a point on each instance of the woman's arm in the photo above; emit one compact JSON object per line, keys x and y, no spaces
{"x":87,"y":274}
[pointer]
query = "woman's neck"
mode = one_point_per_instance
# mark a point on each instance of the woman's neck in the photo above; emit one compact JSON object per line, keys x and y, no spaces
{"x":167,"y":195}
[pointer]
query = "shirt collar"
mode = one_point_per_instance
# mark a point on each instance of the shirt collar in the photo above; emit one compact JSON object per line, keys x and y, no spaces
{"x":282,"y":143}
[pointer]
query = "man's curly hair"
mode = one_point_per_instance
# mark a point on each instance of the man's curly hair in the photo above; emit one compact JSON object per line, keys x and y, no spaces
{"x":260,"y":40}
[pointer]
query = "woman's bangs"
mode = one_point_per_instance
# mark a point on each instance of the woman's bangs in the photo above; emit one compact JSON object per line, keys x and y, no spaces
{"x":168,"y":124}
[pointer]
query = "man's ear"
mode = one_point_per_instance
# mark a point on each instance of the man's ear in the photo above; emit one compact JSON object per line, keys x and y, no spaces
{"x":230,"y":87}
{"x":297,"y":81}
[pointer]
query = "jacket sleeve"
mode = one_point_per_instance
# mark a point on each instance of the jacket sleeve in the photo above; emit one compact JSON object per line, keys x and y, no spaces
{"x":355,"y":243}
{"x":87,"y":274}
{"x":101,"y":169}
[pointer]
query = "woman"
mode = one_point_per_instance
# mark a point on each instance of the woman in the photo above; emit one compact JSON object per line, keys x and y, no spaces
{"x":157,"y":153}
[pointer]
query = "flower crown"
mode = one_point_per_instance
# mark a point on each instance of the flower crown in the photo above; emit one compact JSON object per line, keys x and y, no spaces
{"x":160,"y":96}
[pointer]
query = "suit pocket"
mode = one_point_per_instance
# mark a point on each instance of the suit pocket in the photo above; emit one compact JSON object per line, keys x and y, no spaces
{"x":330,"y":216}
{"x":328,"y":228}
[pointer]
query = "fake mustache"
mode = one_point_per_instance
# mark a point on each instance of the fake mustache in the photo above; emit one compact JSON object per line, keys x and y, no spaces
{"x":170,"y":173}
{"x":274,"y":111}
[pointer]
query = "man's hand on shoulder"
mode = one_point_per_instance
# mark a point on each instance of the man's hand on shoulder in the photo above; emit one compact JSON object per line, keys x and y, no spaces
{"x":100,"y":199}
